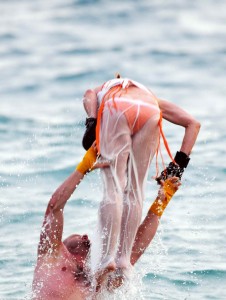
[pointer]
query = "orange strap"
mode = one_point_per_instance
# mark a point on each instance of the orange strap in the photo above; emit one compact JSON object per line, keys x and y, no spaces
{"x":159,"y":146}
{"x":99,"y":115}
{"x":113,"y":91}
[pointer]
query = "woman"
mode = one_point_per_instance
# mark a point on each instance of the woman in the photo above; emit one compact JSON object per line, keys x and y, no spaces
{"x":125,"y":117}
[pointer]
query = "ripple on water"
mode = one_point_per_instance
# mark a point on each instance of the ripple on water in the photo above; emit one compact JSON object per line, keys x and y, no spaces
{"x":208,"y":273}
{"x":178,"y":281}
{"x":51,"y":51}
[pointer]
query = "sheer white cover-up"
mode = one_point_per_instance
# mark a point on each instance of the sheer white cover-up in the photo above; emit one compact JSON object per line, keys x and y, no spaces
{"x":129,"y":155}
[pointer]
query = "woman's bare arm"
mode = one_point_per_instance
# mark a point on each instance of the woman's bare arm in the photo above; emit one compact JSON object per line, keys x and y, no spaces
{"x":178,"y":116}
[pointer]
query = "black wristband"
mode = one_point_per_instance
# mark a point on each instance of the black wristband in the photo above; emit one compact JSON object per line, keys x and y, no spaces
{"x":90,"y":133}
{"x":181,"y":159}
{"x":90,"y":122}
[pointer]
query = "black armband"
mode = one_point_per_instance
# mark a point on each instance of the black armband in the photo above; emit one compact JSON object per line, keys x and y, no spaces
{"x":182,"y":159}
{"x":90,"y":133}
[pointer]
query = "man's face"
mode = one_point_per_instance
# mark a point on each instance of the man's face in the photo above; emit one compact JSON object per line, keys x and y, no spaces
{"x":78,"y":246}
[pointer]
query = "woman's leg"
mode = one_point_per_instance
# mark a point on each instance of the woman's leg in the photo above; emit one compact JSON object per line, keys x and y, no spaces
{"x":144,"y":145}
{"x":115,"y":147}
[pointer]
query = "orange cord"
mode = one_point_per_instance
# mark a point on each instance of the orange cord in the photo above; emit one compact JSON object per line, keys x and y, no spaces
{"x":112,"y":92}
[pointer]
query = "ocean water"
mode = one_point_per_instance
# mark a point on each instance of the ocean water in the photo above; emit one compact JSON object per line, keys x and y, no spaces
{"x":50,"y":53}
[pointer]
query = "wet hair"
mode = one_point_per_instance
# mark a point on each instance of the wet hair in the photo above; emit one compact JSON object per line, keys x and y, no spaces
{"x":117,"y":75}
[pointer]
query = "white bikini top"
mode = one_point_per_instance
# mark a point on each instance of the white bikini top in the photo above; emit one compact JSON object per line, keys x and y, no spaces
{"x":125,"y":82}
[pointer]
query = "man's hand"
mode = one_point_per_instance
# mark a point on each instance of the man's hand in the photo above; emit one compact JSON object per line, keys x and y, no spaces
{"x":88,"y":160}
{"x":168,"y":187}
{"x":91,"y":161}
{"x":175,"y":169}
{"x":167,"y":190}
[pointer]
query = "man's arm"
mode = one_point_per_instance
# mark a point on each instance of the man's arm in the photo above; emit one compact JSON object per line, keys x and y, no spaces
{"x":52,"y":228}
{"x":144,"y":236}
{"x":149,"y":226}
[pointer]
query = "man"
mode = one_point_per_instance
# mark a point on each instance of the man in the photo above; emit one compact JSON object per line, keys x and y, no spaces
{"x":126,"y":119}
{"x":61,"y":271}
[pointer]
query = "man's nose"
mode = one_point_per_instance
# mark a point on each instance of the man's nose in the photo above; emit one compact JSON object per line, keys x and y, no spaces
{"x":85,"y":237}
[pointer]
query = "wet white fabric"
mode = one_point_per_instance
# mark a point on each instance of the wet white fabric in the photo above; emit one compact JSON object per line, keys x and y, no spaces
{"x":125,"y":83}
{"x":129,"y":155}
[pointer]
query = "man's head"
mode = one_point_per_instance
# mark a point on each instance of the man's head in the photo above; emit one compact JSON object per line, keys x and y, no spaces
{"x":78,"y":245}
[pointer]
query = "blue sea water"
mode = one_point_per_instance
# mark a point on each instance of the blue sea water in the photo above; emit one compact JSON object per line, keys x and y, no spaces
{"x":50,"y":53}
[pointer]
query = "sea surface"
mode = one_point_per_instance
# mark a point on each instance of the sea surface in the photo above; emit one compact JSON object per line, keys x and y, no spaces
{"x":51,"y":51}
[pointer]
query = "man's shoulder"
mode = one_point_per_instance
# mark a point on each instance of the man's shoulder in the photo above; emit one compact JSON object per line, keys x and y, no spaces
{"x":55,"y":262}
{"x":52,"y":255}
